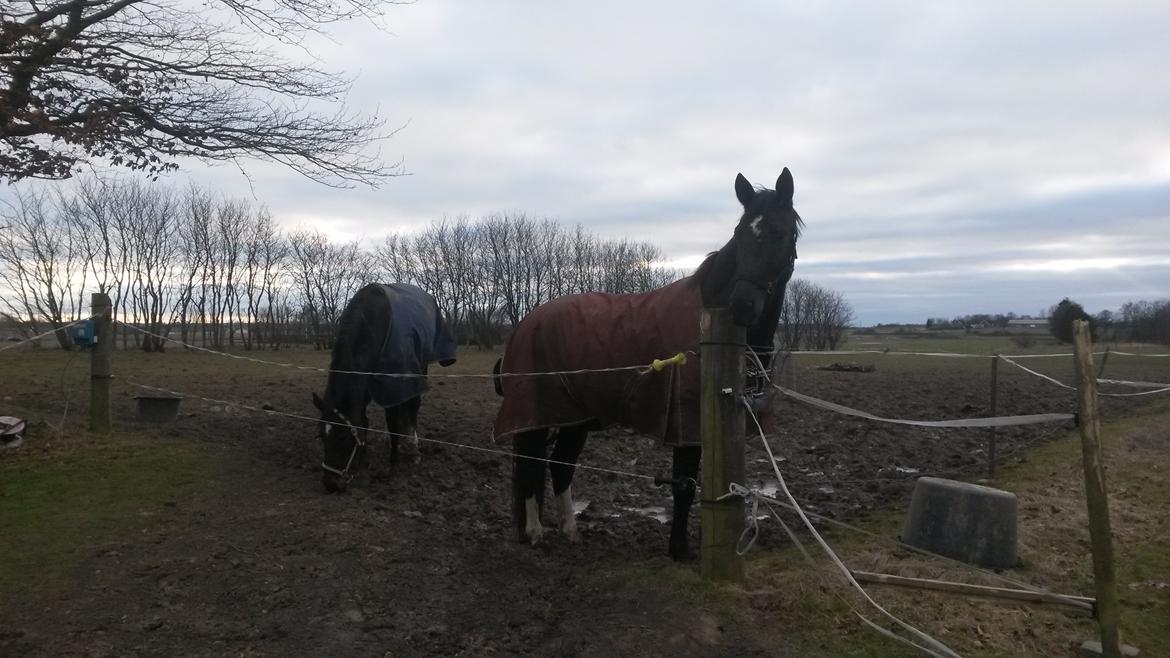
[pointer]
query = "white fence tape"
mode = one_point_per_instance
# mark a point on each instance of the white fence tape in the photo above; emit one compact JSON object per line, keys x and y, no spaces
{"x":998,"y":421}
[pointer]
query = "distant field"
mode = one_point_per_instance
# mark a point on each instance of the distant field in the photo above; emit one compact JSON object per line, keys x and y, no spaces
{"x":965,"y":343}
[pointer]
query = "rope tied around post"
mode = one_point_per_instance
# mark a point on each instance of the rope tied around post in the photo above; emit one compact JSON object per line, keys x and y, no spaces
{"x":752,"y":526}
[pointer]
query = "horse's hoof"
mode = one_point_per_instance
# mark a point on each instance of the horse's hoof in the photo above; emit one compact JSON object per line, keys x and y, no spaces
{"x":680,"y":553}
{"x":570,"y":533}
{"x":535,"y":535}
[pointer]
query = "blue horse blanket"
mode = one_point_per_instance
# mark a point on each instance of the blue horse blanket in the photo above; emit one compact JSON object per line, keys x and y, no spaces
{"x":418,"y":336}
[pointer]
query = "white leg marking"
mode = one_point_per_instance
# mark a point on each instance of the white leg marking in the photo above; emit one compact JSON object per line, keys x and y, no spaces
{"x":410,"y":446}
{"x":532,"y":524}
{"x":568,"y":519}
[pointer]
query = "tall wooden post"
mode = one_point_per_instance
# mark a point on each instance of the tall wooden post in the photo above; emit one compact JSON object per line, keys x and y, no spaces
{"x":100,"y":368}
{"x":1091,"y":456}
{"x":994,"y":404}
{"x":722,"y":350}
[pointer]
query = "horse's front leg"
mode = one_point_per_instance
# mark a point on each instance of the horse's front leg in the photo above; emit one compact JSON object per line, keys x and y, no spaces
{"x":528,"y":468}
{"x":686,"y":475}
{"x":565,"y":452}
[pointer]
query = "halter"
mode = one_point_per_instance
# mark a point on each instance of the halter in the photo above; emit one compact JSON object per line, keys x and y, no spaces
{"x":357,"y":443}
{"x":767,"y":288}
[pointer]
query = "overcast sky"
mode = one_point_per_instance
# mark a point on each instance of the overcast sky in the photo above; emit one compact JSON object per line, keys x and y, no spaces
{"x":949,"y":158}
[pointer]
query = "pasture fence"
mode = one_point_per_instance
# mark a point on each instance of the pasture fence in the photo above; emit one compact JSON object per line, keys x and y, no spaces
{"x":102,"y":374}
{"x":33,"y":339}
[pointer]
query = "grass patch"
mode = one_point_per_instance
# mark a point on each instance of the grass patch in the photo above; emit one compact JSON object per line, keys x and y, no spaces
{"x":56,"y":507}
{"x":797,"y":607}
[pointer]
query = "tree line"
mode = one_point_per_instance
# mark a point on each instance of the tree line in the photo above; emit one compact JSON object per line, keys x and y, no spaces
{"x":1141,"y":321}
{"x":187,"y":263}
{"x":813,"y":317}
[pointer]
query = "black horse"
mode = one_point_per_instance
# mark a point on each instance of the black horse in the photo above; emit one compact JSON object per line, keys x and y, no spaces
{"x":392,"y":328}
{"x":595,"y":331}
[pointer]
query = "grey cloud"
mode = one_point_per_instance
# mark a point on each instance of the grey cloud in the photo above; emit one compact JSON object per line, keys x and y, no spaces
{"x":947,"y":142}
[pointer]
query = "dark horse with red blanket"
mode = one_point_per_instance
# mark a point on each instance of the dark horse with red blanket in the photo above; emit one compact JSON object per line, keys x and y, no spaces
{"x":596,"y":331}
{"x":391,"y":328}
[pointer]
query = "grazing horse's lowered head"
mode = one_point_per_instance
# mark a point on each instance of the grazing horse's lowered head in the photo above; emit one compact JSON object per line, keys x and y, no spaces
{"x":343,"y":438}
{"x":593,"y":334}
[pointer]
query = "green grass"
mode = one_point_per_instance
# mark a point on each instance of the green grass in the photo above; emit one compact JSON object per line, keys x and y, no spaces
{"x":55,"y":508}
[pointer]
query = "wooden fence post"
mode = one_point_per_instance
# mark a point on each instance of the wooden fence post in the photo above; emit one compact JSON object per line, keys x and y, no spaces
{"x":100,"y":369}
{"x":1091,"y":456}
{"x":994,"y":405}
{"x":722,"y":371}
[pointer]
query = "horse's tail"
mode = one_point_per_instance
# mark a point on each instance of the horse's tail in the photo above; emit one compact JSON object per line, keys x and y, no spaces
{"x":497,"y":381}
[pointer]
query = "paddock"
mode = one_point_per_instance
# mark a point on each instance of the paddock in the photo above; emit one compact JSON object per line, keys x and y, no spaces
{"x":210,"y":535}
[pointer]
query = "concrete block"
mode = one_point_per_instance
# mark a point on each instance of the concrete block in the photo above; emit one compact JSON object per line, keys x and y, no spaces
{"x":964,"y":521}
{"x":1092,"y":649}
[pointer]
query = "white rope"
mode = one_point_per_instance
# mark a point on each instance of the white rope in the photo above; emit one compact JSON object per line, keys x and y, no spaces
{"x":398,"y":375}
{"x":40,"y":336}
{"x":1108,"y":395}
{"x":1125,"y":382}
{"x":959,"y":355}
{"x":1132,"y":395}
{"x":752,"y":526}
{"x":1040,"y":375}
{"x":946,"y":355}
{"x":389,"y":433}
{"x":996,"y":421}
{"x":933,"y":646}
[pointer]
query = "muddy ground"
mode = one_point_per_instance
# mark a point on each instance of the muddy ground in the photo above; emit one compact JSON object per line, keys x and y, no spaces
{"x":422,"y":560}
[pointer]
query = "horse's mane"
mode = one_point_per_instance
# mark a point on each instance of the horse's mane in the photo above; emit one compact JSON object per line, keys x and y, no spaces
{"x":353,"y":330}
{"x":704,"y":269}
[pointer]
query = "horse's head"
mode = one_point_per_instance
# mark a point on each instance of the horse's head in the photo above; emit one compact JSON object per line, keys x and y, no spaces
{"x":342,"y":431}
{"x":750,"y":272}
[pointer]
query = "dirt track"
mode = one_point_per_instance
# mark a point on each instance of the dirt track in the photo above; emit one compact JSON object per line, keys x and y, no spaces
{"x":421,"y":561}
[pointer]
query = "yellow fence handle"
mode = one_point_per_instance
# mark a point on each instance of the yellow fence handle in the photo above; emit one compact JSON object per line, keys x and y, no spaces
{"x":679,"y":359}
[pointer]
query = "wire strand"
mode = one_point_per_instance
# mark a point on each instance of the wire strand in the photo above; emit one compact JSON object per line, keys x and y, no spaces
{"x":393,"y":375}
{"x":40,"y":336}
{"x":375,"y":430}
{"x":934,"y":646}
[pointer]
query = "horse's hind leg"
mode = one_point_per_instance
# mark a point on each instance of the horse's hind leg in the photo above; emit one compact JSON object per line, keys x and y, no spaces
{"x":402,"y":422}
{"x":685,"y":473}
{"x":528,"y":467}
{"x":567,"y":449}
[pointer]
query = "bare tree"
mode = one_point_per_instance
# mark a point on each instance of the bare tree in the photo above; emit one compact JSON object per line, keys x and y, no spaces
{"x":153,"y":226}
{"x":264,"y":251}
{"x":794,"y":314}
{"x":140,"y":83}
{"x":41,"y":264}
{"x":326,"y":276}
{"x":813,"y":317}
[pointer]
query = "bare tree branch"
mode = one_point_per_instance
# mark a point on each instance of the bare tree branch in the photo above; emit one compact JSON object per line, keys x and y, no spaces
{"x":143,"y":83}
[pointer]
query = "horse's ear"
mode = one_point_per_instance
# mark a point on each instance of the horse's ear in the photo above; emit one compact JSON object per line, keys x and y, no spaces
{"x":784,"y":185}
{"x":319,"y":403}
{"x":744,"y":190}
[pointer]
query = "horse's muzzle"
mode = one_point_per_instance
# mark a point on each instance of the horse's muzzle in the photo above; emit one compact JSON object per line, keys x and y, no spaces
{"x":747,"y":302}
